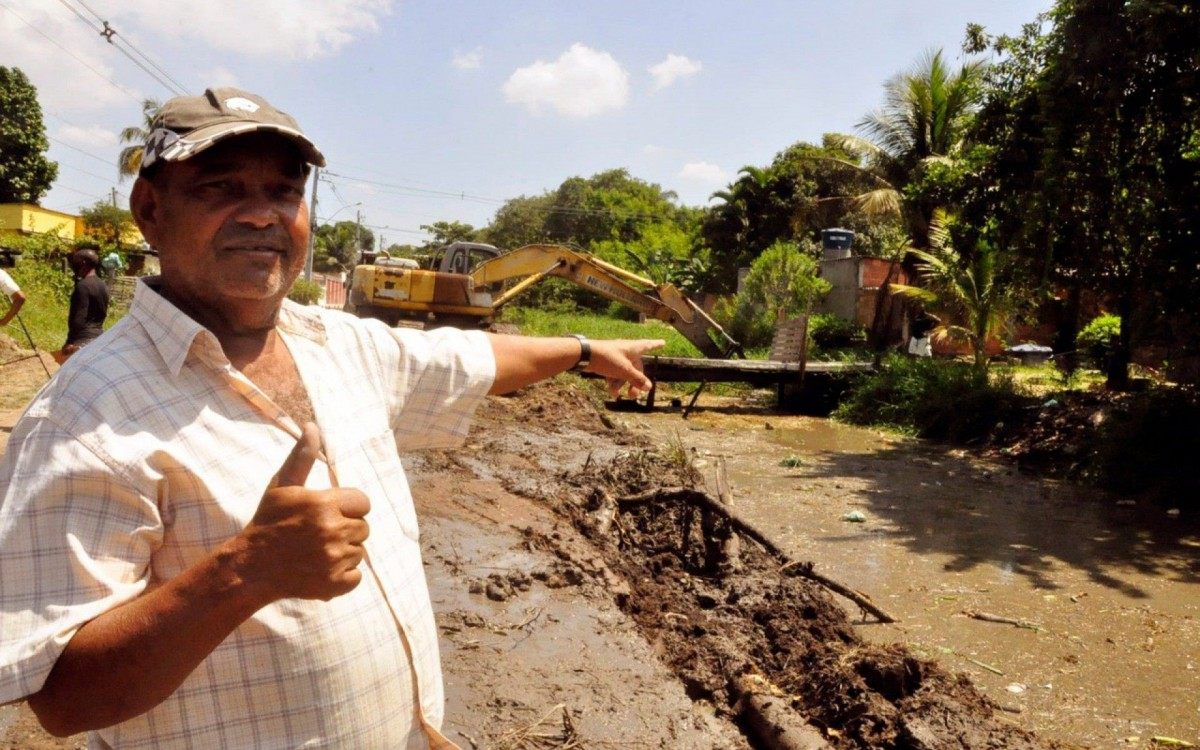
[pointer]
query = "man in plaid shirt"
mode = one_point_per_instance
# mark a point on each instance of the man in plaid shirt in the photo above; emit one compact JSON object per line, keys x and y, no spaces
{"x":206,"y":536}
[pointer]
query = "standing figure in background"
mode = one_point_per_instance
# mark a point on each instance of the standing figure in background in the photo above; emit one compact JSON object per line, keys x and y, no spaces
{"x":112,"y":265}
{"x":89,"y":303}
{"x":16,"y":299}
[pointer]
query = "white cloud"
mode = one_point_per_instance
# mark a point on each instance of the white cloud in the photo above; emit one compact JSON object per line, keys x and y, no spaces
{"x":672,"y":69}
{"x":291,"y":29}
{"x":219,"y":76}
{"x":92,"y":136}
{"x":468,"y":60}
{"x":703,"y":173}
{"x":651,"y":150}
{"x":72,"y":76}
{"x":581,"y":83}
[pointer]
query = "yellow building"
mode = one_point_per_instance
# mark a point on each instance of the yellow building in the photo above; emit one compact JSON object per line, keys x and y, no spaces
{"x":26,"y":218}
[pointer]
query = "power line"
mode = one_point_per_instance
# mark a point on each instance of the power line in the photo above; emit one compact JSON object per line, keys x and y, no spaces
{"x":108,"y":180}
{"x":446,"y":193}
{"x":81,"y":61}
{"x":496,"y":201}
{"x":421,"y":232}
{"x":108,"y":33}
{"x":64,"y":144}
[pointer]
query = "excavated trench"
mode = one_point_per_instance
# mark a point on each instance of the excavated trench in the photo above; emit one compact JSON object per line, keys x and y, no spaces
{"x":770,"y":650}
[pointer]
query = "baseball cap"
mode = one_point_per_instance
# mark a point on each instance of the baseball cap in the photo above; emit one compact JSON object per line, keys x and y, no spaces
{"x":187,"y":125}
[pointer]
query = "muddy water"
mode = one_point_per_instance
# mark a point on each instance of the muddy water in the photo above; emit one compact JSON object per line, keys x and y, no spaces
{"x":1112,"y":589}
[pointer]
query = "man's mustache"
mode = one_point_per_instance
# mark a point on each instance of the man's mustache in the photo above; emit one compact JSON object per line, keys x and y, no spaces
{"x":272,"y":239}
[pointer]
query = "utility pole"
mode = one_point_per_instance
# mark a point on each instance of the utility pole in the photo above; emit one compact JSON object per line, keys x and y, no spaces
{"x":114,"y":197}
{"x":312,"y":227}
{"x":357,"y":235}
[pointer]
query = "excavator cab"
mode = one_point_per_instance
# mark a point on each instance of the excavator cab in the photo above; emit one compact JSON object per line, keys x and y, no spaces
{"x":461,"y":257}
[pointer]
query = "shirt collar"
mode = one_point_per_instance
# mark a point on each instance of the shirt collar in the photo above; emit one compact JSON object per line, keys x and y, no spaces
{"x":176,"y":336}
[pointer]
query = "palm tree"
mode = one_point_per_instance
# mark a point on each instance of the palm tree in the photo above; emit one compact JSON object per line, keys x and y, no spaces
{"x":130,"y":158}
{"x":964,"y":289}
{"x":925,"y":114}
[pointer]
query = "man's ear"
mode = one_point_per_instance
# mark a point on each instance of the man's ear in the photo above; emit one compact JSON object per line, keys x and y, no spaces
{"x":143,"y":204}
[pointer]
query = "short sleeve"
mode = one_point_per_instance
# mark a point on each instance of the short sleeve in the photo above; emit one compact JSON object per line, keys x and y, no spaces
{"x":438,"y":380}
{"x":8,"y":287}
{"x":75,"y":541}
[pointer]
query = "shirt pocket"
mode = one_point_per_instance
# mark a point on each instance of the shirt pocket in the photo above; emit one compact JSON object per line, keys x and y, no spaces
{"x":376,"y":470}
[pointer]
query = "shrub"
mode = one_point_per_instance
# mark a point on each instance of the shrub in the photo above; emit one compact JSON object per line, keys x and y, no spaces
{"x":782,"y":282}
{"x":827,"y":331}
{"x":1150,"y":442}
{"x":1098,"y":339}
{"x":938,"y":399}
{"x":305,"y":292}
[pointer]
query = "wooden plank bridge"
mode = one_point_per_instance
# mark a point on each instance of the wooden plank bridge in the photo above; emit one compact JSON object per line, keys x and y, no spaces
{"x":788,"y":369}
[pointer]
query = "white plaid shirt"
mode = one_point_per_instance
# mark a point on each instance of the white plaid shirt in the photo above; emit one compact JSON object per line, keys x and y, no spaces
{"x":148,"y":449}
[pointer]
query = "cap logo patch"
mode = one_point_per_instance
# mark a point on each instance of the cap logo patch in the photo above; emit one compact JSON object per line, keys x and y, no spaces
{"x":241,"y":104}
{"x":157,"y":143}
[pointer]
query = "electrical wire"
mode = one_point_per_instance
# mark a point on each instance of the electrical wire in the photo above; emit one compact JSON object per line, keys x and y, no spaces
{"x":109,"y":180}
{"x":64,"y":144}
{"x":493,"y":201}
{"x":108,"y":33}
{"x":79,"y":60}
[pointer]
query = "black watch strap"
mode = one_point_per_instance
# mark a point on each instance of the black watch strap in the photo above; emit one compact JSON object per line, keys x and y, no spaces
{"x":585,"y":352}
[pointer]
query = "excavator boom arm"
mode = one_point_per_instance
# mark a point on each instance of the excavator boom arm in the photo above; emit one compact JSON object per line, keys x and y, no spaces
{"x":535,"y":262}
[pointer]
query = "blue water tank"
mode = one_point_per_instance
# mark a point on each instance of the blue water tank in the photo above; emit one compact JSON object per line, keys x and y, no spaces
{"x":836,"y":243}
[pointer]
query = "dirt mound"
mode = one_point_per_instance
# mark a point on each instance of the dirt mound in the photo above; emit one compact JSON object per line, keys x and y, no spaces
{"x":720,"y":623}
{"x":1055,"y":439}
{"x":555,"y":406}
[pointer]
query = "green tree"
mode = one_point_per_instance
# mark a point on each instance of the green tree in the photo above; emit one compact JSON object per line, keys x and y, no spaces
{"x":610,"y":205}
{"x":967,"y":290}
{"x":25,"y":172}
{"x":1091,"y":171}
{"x":445,"y":232}
{"x":129,"y":161}
{"x":782,"y":283}
{"x":107,"y":222}
{"x":806,"y":188}
{"x":337,"y":246}
{"x":520,"y":221}
{"x":926,"y":113}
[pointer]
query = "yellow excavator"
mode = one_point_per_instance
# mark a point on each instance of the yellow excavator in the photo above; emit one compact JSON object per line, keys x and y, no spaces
{"x":467,"y":283}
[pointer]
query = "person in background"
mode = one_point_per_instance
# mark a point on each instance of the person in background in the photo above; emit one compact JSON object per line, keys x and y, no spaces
{"x":16,"y":298}
{"x":112,"y":265}
{"x":89,"y":302}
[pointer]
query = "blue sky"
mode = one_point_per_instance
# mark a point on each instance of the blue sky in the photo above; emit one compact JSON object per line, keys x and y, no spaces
{"x":487,"y":100}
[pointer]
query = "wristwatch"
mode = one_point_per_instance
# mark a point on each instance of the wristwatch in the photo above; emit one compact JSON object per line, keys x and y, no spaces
{"x":585,"y":352}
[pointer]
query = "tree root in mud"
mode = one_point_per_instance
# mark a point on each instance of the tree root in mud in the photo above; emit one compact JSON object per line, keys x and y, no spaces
{"x":794,"y":567}
{"x":730,"y":624}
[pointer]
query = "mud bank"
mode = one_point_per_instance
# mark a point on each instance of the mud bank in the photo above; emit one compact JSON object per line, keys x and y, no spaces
{"x":556,"y":636}
{"x":713,"y":628}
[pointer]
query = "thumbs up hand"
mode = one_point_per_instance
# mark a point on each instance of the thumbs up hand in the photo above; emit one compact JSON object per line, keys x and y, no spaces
{"x":305,"y":543}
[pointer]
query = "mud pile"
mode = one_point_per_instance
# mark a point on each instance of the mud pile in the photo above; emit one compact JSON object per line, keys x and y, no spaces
{"x":735,"y":629}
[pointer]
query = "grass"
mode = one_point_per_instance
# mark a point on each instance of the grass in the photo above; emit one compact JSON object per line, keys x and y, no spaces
{"x":535,"y":322}
{"x":47,"y":298}
{"x":1046,"y":379}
